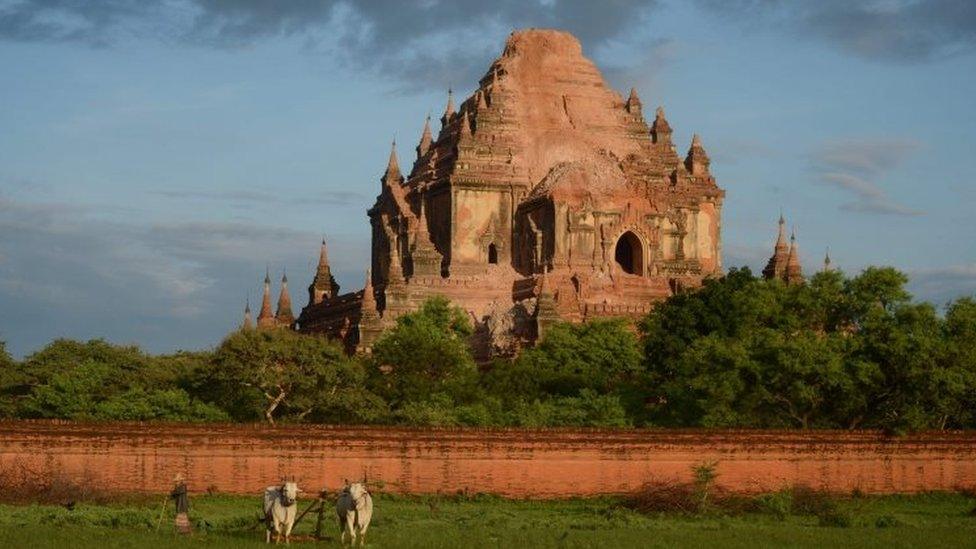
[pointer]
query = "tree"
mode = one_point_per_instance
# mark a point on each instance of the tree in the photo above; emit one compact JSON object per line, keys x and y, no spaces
{"x":723,"y":306}
{"x":712,"y":384}
{"x":280,"y":374}
{"x":424,"y":354}
{"x":11,"y":382}
{"x":71,"y":394}
{"x":6,"y":362}
{"x":906,"y":343}
{"x":747,"y":352}
{"x":828,"y":302}
{"x":960,"y":328}
{"x":89,"y":392}
{"x":697,"y":350}
{"x":600,"y":355}
{"x":184,"y":369}
{"x":875,"y":288}
{"x":580,"y":374}
{"x":127,"y":363}
{"x":67,"y":379}
{"x":588,"y":409}
{"x":800,"y":375}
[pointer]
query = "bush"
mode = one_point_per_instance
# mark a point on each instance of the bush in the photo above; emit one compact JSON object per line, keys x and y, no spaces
{"x":807,"y":501}
{"x":797,"y":500}
{"x":778,"y":504}
{"x":838,"y":518}
{"x":437,"y":410}
{"x":887,"y":521}
{"x":697,"y":497}
{"x":655,"y":498}
{"x":704,"y":478}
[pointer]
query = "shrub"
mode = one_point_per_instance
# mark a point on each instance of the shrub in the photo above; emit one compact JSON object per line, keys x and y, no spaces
{"x":778,"y":504}
{"x":696,"y":497}
{"x":838,"y":518}
{"x":796,"y":500}
{"x":663,"y":498}
{"x":704,"y":478}
{"x":887,"y":521}
{"x":807,"y":501}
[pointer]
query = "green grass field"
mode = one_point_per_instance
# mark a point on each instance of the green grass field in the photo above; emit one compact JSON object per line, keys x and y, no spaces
{"x":932,"y":520}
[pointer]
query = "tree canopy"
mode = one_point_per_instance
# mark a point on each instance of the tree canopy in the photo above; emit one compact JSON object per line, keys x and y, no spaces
{"x":426,"y":353}
{"x":835,"y":352}
{"x":279,"y":374}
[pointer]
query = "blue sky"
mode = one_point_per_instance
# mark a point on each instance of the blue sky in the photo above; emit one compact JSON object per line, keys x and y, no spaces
{"x":156,"y":156}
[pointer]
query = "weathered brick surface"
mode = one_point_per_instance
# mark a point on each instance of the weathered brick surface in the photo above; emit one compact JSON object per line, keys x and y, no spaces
{"x":542,"y":169}
{"x":532,"y":463}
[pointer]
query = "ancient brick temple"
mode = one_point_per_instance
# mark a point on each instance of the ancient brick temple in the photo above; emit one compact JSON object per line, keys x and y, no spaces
{"x":544,"y":196}
{"x":784,"y":264}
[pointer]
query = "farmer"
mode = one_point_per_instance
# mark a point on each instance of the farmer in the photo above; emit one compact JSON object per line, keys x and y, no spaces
{"x":182,"y":504}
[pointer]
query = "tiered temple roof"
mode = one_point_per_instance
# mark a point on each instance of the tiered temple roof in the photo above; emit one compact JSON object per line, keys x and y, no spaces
{"x":784,"y":264}
{"x":545,"y":195}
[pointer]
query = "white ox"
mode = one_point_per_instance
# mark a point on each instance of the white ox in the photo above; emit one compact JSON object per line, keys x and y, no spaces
{"x":279,"y":510}
{"x":354,"y":509}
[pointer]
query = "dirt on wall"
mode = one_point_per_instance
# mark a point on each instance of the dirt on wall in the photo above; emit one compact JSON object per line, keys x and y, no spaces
{"x":144,"y":457}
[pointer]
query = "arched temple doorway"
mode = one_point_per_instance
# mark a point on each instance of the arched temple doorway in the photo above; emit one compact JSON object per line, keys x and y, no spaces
{"x":629,"y":253}
{"x":492,"y":254}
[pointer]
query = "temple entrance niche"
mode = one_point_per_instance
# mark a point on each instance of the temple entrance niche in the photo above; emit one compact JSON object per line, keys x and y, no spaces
{"x":492,"y":254}
{"x":629,"y":254}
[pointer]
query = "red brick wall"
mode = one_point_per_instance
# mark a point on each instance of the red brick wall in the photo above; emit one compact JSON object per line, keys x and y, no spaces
{"x":534,"y":463}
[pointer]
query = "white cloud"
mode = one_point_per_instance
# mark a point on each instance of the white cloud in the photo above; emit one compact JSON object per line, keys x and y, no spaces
{"x":944,"y":284}
{"x":855,"y":165}
{"x":166,"y":286}
{"x":893,"y":31}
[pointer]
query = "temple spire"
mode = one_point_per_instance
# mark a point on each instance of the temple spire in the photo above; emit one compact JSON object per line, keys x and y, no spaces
{"x":465,"y":125}
{"x":425,"y":139}
{"x":426,"y":258}
{"x":826,"y":265}
{"x":369,"y":300}
{"x":449,"y":110}
{"x":777,"y":266}
{"x":248,"y":323}
{"x":392,"y":173}
{"x":284,"y":315}
{"x":369,"y":325}
{"x":697,"y":161}
{"x":633,"y":102}
{"x":323,"y":284}
{"x":781,"y":238}
{"x":323,"y":255}
{"x":422,"y":228}
{"x":660,"y":129}
{"x":265,"y":316}
{"x":794,"y":274}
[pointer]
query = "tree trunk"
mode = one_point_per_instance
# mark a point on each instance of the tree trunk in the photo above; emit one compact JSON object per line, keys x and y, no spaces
{"x":275,"y":401}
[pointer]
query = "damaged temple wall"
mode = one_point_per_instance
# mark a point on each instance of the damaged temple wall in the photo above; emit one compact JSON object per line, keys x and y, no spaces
{"x":517,"y":463}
